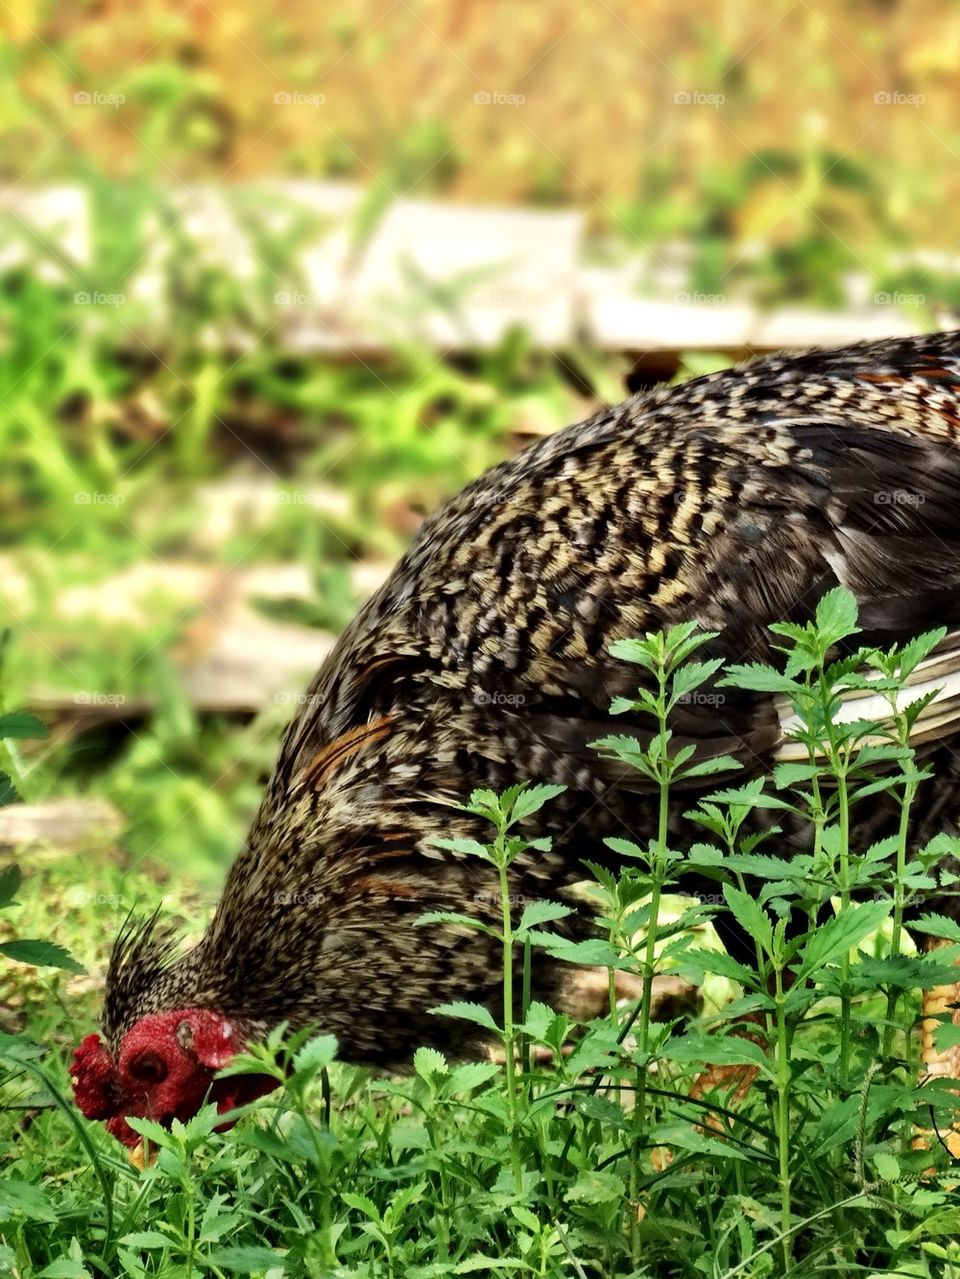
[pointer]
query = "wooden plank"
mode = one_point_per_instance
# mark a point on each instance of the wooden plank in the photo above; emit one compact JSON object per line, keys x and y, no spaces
{"x":619,"y":318}
{"x":64,"y":822}
{"x":453,"y":276}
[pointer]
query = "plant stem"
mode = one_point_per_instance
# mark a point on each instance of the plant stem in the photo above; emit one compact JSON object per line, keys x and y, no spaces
{"x":509,"y":1035}
{"x":838,"y":768}
{"x":845,"y":1002}
{"x":783,"y":1121}
{"x":906,"y":804}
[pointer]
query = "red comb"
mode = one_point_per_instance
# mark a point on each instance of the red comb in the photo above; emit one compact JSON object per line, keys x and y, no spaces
{"x":96,"y":1085}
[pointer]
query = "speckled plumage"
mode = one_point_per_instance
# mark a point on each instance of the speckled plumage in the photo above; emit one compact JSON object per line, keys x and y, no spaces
{"x":736,"y":500}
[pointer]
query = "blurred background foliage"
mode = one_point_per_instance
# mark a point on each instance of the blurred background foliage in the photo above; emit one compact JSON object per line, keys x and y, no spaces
{"x":148,"y":466}
{"x":798,"y":138}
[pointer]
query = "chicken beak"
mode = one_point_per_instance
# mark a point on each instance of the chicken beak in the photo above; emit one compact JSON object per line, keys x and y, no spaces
{"x":141,"y":1158}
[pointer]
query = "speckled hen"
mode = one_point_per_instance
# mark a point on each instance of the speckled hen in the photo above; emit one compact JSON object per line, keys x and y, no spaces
{"x":736,"y":499}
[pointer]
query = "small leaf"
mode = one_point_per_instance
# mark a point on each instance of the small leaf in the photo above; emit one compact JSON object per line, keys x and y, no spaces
{"x":542,"y":912}
{"x":316,"y":1054}
{"x":146,"y":1239}
{"x":246,"y":1260}
{"x":455,"y":918}
{"x":362,"y":1204}
{"x":625,"y":847}
{"x":9,"y":883}
{"x":150,"y":1129}
{"x":471,"y":1075}
{"x":938,"y":926}
{"x":532,"y":799}
{"x":837,"y":615}
{"x":706,"y":767}
{"x":720,"y":964}
{"x":23,"y":1199}
{"x":596,"y":1188}
{"x":692,"y":675}
{"x":42,"y":954}
{"x":427,"y":1062}
{"x":21,"y":724}
{"x":466,"y":847}
{"x":65,"y":1268}
{"x":751,"y":917}
{"x":687,"y":1137}
{"x":475,"y":1013}
{"x":756,"y":678}
{"x":840,"y":934}
{"x":720,"y":1050}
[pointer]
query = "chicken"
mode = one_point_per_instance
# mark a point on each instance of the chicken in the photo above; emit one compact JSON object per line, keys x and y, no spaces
{"x":736,"y":500}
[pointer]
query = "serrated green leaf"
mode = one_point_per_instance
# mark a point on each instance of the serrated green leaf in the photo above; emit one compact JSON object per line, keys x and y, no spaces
{"x":65,"y":1268}
{"x":465,"y":1011}
{"x":427,"y":1062}
{"x":692,"y":675}
{"x":720,"y":964}
{"x":836,"y":615}
{"x":840,"y":934}
{"x":938,"y":926}
{"x":41,"y":954}
{"x":542,"y":912}
{"x":707,"y":767}
{"x":146,"y":1239}
{"x":750,"y":916}
{"x":315,"y":1054}
{"x":756,"y":678}
{"x":533,"y":798}
{"x":24,"y":1199}
{"x":472,"y":1074}
{"x":22,"y":724}
{"x":362,"y":1204}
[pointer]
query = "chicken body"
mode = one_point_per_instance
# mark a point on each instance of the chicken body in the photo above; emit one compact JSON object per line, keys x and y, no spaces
{"x":735,"y":500}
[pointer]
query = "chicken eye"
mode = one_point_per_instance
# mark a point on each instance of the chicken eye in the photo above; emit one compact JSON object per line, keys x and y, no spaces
{"x":149,"y":1068}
